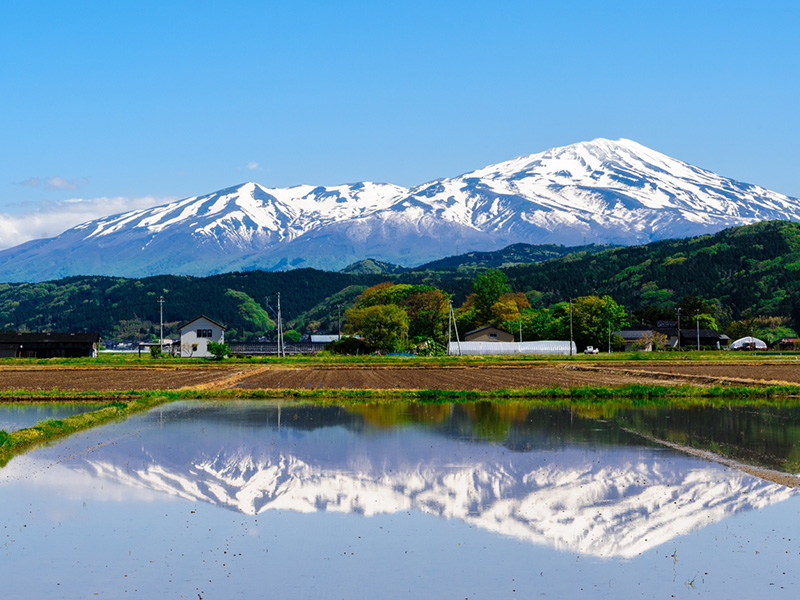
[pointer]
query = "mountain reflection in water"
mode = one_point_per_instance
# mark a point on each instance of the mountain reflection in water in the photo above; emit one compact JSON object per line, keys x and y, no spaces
{"x":541,"y":476}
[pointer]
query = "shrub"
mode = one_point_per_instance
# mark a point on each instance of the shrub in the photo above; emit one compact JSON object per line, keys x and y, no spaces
{"x":348,"y":345}
{"x":218,"y":350}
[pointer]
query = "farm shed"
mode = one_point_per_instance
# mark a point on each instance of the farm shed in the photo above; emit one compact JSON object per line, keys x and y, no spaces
{"x":324,"y":339}
{"x":48,"y":345}
{"x":488,"y":334}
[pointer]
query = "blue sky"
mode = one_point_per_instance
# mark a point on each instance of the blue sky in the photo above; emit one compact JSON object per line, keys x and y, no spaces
{"x":109,"y":106}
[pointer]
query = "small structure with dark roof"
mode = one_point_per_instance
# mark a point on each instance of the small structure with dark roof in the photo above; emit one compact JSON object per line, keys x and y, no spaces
{"x":25,"y":344}
{"x":488,"y":334}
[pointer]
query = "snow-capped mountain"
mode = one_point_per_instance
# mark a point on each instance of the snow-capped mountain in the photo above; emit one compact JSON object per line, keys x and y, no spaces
{"x":602,"y":191}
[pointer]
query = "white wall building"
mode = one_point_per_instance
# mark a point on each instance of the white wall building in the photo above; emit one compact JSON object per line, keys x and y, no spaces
{"x":486,"y":348}
{"x":196,"y":334}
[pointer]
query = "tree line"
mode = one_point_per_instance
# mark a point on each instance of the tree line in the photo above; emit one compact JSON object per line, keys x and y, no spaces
{"x":394,"y":317}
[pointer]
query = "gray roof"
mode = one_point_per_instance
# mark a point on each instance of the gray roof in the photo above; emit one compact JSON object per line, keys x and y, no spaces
{"x":632,"y":334}
{"x":28,"y":337}
{"x":187,"y":323}
{"x":487,"y":327}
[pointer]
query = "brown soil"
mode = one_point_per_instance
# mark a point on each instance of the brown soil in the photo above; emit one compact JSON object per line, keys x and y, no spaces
{"x":442,"y":378}
{"x":484,"y":378}
{"x":106,"y":379}
{"x":744,"y":373}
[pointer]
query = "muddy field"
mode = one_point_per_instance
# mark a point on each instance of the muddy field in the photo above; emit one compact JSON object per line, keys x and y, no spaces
{"x":450,"y":378}
{"x":106,"y":379}
{"x":482,"y":378}
{"x":788,"y":372}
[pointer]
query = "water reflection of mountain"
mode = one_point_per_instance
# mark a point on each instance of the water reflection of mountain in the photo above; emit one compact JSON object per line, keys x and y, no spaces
{"x":565,"y":491}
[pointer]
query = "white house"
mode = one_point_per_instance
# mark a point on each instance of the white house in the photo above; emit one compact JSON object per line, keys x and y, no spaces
{"x":196,"y":334}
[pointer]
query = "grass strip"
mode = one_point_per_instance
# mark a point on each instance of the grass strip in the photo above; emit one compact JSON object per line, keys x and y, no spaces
{"x":326,"y":359}
{"x":666,"y":393}
{"x":16,"y":442}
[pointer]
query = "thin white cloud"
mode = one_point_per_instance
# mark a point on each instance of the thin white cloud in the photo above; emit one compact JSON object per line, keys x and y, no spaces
{"x":53,"y":218}
{"x":252,"y":165}
{"x":55,"y":183}
{"x":59,"y":183}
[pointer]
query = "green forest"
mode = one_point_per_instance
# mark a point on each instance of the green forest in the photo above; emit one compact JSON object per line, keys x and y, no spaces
{"x":740,"y":279}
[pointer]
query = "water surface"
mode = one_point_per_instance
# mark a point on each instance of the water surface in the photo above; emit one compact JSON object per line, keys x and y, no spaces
{"x":14,"y":416}
{"x":250,"y":499}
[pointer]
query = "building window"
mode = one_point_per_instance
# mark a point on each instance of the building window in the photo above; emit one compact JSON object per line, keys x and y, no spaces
{"x":204,"y":333}
{"x":194,"y":347}
{"x":492,"y":335}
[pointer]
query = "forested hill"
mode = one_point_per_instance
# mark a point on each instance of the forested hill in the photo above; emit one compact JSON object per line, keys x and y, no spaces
{"x":129,"y":309}
{"x":753,"y":268}
{"x":515,"y":254}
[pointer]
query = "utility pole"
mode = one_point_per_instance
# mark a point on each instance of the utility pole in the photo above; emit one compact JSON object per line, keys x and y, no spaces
{"x":161,"y":322}
{"x":451,"y":320}
{"x":449,"y":324}
{"x":609,"y":337}
{"x":697,"y":318}
{"x":520,"y":328}
{"x":281,"y":349}
{"x":678,"y":310}
{"x":570,"y":326}
{"x":339,"y":319}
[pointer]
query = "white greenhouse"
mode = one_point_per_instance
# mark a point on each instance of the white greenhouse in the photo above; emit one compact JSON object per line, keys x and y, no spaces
{"x":748,"y":343}
{"x":485,"y":348}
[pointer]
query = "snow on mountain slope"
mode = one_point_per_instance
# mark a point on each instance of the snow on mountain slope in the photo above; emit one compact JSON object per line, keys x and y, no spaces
{"x":592,"y":192}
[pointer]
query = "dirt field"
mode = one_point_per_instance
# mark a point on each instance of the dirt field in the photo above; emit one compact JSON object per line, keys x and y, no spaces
{"x":482,"y":378}
{"x":451,"y":378}
{"x":788,"y":372}
{"x":106,"y":379}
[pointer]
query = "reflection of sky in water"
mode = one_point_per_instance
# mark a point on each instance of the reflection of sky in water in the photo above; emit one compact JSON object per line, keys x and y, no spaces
{"x":186,"y":501}
{"x":19,"y":416}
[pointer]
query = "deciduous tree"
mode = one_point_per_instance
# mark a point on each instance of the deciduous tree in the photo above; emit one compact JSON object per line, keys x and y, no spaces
{"x":488,"y":288}
{"x":384,"y":326}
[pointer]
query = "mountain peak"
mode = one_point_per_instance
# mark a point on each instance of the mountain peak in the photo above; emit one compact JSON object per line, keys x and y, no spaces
{"x":598,"y":192}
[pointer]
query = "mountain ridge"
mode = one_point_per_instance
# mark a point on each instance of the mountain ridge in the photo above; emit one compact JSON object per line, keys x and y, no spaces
{"x":746,"y":270}
{"x":603,"y":191}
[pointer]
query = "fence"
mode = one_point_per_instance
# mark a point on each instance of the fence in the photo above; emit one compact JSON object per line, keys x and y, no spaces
{"x":267,"y":348}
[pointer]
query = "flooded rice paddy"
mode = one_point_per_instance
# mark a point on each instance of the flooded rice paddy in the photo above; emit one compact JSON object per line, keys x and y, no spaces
{"x":253,"y":499}
{"x":20,"y":416}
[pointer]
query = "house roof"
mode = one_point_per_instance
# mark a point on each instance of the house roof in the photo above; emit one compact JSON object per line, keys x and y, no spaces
{"x":485,"y":328}
{"x":28,"y":337}
{"x":704,"y":333}
{"x":632,"y":334}
{"x":187,"y":323}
